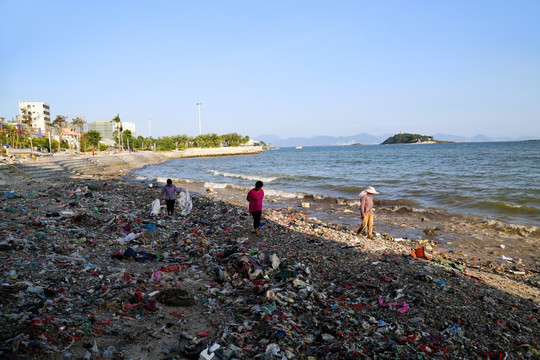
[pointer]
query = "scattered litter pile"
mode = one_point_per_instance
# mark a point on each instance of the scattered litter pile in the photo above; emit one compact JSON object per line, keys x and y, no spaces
{"x":88,"y":273}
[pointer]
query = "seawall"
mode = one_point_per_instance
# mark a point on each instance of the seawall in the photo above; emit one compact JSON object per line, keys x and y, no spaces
{"x":225,"y":151}
{"x":102,"y":164}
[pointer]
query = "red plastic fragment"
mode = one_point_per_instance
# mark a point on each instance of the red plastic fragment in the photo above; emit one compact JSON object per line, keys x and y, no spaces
{"x":127,"y":315}
{"x":49,"y":338}
{"x":407,"y":338}
{"x":360,"y":307}
{"x":170,"y":268}
{"x":131,"y":306}
{"x":177,"y":314}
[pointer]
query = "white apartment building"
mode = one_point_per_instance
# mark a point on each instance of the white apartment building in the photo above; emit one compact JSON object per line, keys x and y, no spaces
{"x":41,"y":116}
{"x":126,"y":125}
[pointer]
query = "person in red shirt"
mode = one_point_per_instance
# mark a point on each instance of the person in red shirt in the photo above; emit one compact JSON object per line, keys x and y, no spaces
{"x":255,"y":197}
{"x":366,"y":208}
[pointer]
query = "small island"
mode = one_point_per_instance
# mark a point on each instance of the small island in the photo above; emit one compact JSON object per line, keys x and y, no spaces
{"x":405,"y":138}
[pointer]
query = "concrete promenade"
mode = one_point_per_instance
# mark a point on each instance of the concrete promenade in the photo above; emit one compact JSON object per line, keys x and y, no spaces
{"x":103,"y":164}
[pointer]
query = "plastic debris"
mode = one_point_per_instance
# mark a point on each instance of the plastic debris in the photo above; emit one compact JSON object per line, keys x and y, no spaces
{"x":90,"y":277}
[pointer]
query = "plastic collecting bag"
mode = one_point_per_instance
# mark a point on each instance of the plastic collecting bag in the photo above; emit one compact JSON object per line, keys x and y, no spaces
{"x":156,"y":207}
{"x":184,"y":203}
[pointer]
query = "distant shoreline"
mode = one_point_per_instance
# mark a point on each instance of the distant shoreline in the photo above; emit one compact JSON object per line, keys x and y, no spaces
{"x":304,"y":143}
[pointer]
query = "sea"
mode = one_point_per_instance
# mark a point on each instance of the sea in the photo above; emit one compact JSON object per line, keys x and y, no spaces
{"x":492,"y":180}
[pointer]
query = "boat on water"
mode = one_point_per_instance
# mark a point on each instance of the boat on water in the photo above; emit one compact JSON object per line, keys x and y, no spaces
{"x":298,"y":147}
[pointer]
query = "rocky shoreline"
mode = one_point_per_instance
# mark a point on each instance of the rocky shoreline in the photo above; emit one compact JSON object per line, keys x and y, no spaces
{"x":88,"y":273}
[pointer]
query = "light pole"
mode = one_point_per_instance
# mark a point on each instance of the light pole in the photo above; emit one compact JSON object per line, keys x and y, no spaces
{"x":149,"y":127}
{"x":199,"y":106}
{"x":50,"y":146}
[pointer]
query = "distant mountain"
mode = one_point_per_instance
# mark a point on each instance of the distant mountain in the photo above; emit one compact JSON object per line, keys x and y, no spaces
{"x":366,"y":139}
{"x":477,"y":138}
{"x":455,"y":138}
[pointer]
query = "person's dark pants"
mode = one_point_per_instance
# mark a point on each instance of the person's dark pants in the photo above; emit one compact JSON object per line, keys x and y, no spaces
{"x":256,"y":219}
{"x":170,"y":206}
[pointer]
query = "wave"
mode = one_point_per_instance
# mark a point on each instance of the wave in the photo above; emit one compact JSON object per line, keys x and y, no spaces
{"x":214,"y":185}
{"x":507,"y":208}
{"x":401,"y":205}
{"x":240,"y":176}
{"x":162,"y":180}
{"x":296,"y":195}
{"x":267,"y":192}
{"x":522,"y":230}
{"x":285,"y":194}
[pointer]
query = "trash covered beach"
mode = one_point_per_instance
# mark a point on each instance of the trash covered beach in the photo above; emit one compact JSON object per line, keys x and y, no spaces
{"x":89,"y":273}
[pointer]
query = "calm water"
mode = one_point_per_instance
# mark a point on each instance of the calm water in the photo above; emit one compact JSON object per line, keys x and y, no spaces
{"x":498,"y":181}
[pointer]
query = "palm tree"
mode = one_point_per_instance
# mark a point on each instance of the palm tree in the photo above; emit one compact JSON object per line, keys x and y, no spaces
{"x":27,"y":129}
{"x":185,"y":140}
{"x":11,"y":132}
{"x":118,"y":129}
{"x":232,"y":139}
{"x":78,"y":123}
{"x":58,"y":124}
{"x":208,"y":140}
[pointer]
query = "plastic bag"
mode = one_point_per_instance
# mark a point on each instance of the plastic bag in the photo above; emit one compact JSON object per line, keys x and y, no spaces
{"x":156,"y":207}
{"x":184,"y":203}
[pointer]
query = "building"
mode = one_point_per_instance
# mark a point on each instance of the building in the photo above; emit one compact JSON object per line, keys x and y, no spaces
{"x":129,"y":126}
{"x":41,"y":116}
{"x":71,"y":135}
{"x":107,"y":130}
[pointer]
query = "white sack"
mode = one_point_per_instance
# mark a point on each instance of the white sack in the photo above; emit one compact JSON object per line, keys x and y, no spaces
{"x":184,"y":203}
{"x":156,"y":207}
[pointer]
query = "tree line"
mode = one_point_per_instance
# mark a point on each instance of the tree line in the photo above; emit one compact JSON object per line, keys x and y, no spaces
{"x":24,"y":136}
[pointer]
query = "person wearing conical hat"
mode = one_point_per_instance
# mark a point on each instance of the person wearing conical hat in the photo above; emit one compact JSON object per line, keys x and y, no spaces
{"x":366,"y":209}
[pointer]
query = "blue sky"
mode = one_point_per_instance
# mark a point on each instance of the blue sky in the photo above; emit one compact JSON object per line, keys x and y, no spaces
{"x":289,"y":68}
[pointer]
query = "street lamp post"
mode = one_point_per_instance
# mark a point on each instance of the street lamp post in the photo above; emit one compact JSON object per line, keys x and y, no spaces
{"x":199,"y":106}
{"x":50,"y":146}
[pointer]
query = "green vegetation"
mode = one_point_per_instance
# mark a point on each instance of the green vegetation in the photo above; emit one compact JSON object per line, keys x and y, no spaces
{"x":27,"y":129}
{"x":404,"y":138}
{"x":91,"y":140}
{"x":125,"y":140}
{"x":180,"y":142}
{"x":22,"y":136}
{"x":59,"y":124}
